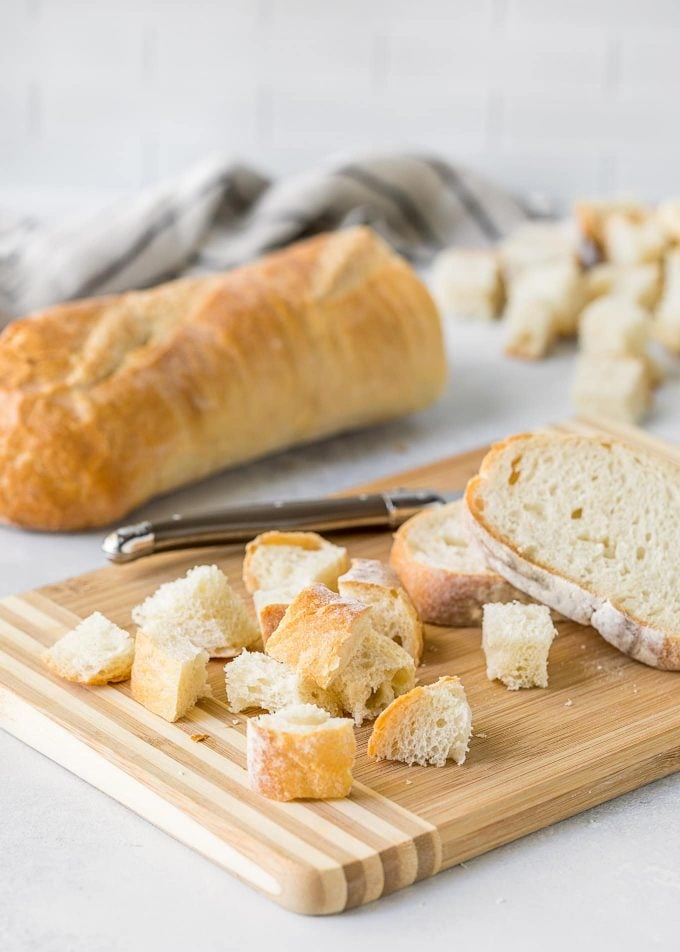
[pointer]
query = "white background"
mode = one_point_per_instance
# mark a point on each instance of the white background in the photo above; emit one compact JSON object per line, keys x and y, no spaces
{"x":559,"y":97}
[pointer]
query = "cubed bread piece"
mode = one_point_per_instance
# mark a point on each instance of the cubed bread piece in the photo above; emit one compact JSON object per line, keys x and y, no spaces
{"x":95,"y":652}
{"x":628,"y":242}
{"x":270,"y":607}
{"x":557,"y":285}
{"x":640,"y":283}
{"x":536,"y":244}
{"x":667,"y":215}
{"x":592,"y":214}
{"x":468,"y":283}
{"x":443,"y":570}
{"x":531,"y":330}
{"x":169,"y":673}
{"x":429,"y":725}
{"x":614,"y":327}
{"x":331,"y":641}
{"x":291,"y":561}
{"x":372,"y":583}
{"x":516,"y":640}
{"x":202,"y":607}
{"x":256,"y":680}
{"x":617,"y":388}
{"x":300,"y":752}
{"x":666,"y":327}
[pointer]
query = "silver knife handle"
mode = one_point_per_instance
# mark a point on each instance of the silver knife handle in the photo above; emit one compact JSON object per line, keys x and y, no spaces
{"x":243,"y":522}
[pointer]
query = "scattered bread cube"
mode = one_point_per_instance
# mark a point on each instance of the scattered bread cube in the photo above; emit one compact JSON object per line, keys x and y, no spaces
{"x":630,"y":242}
{"x":516,"y":640}
{"x":169,"y":673}
{"x":536,"y":244}
{"x":372,"y":583}
{"x":667,"y":215}
{"x":558,"y":286}
{"x":468,"y":283}
{"x":331,"y":641}
{"x":640,"y":283}
{"x":592,"y":214}
{"x":202,"y":607}
{"x":301,"y":752}
{"x":666,"y":326}
{"x":531,"y":330}
{"x":95,"y":652}
{"x":617,"y":388}
{"x":256,"y":680}
{"x":614,"y":327}
{"x":292,"y":560}
{"x":443,"y":570}
{"x":429,"y":725}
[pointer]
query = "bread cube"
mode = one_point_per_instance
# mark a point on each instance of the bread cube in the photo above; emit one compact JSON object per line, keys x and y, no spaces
{"x":592,"y":214}
{"x":202,"y":607}
{"x":559,"y":286}
{"x":95,"y":652}
{"x":300,"y":753}
{"x":666,"y":326}
{"x":617,"y":388}
{"x":256,"y":680}
{"x":667,"y":215}
{"x":628,"y":242}
{"x":292,"y":560}
{"x":614,"y":327}
{"x":468,"y":283}
{"x":531,"y":330}
{"x":536,"y":244}
{"x":331,"y":641}
{"x":429,"y":725}
{"x":169,"y":673}
{"x":516,"y":640}
{"x":394,"y":614}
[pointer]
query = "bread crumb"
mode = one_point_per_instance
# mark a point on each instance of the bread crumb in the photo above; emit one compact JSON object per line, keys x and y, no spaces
{"x":236,"y":722}
{"x":407,"y":782}
{"x":197,"y":738}
{"x":568,"y":703}
{"x":480,"y":734}
{"x":464,"y":865}
{"x":599,"y":667}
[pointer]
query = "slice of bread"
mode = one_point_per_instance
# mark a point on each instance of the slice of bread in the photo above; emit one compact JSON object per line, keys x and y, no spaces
{"x":95,"y":652}
{"x":300,"y":752}
{"x":615,"y":388}
{"x":331,"y":641}
{"x":169,"y":673}
{"x":468,"y":283}
{"x":256,"y":680}
{"x":443,"y":570}
{"x":516,"y":640}
{"x":292,"y":560}
{"x":202,"y":607}
{"x":372,"y":583}
{"x":429,"y":725}
{"x":589,"y":527}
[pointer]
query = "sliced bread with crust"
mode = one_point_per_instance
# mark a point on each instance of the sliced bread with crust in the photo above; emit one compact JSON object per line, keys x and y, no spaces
{"x":443,"y":570}
{"x":429,"y":725}
{"x":589,"y":527}
{"x":394,"y":615}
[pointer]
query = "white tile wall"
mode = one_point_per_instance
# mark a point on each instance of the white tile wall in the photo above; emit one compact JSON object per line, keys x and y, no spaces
{"x":545,"y":95}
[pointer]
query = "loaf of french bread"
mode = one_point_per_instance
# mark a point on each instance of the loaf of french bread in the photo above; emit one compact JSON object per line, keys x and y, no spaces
{"x":105,"y":403}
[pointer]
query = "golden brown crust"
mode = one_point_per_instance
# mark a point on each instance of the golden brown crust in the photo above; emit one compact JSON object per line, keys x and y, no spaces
{"x":105,"y":403}
{"x":444,"y":597}
{"x":270,"y":618}
{"x":310,"y":541}
{"x":319,"y":633}
{"x":391,"y":717}
{"x":285,"y":765}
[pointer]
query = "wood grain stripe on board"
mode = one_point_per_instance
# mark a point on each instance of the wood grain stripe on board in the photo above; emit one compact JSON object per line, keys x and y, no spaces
{"x":384,"y":845}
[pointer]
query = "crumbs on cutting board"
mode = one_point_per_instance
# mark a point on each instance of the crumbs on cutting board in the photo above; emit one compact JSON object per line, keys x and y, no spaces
{"x":198,"y":738}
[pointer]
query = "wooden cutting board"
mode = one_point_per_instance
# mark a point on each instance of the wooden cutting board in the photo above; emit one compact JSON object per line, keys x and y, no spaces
{"x":604,"y":726}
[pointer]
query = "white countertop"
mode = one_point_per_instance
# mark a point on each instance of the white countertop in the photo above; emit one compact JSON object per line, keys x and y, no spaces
{"x":80,"y":872}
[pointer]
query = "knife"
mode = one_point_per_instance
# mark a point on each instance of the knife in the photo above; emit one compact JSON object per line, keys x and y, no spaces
{"x":237,"y":523}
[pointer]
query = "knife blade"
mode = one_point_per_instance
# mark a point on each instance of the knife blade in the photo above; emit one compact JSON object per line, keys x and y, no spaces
{"x":238,"y":523}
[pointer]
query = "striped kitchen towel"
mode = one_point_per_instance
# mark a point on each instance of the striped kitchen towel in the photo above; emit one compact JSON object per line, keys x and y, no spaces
{"x":218,"y":215}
